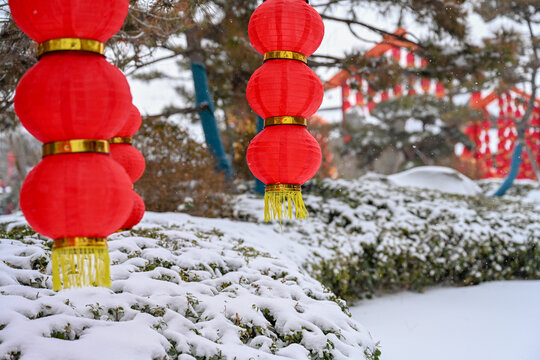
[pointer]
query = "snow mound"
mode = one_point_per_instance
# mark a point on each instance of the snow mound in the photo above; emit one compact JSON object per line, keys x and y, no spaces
{"x":181,"y":292}
{"x":437,"y":178}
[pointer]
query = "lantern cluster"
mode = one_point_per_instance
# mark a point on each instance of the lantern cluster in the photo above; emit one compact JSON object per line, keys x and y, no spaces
{"x":74,"y":101}
{"x":285,"y":92}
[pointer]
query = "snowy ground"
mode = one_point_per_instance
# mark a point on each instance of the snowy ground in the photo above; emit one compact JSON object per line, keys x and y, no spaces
{"x":495,"y":321}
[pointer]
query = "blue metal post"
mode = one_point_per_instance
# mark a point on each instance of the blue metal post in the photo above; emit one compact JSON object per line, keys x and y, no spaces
{"x":209,"y":123}
{"x":259,"y":185}
{"x":514,"y":170}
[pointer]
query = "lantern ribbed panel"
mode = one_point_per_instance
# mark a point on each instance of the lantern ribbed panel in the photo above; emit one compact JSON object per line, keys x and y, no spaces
{"x":290,"y":25}
{"x":284,"y":155}
{"x":284,"y":87}
{"x":74,"y":101}
{"x":76,"y":195}
{"x":52,"y":19}
{"x":73,"y":95}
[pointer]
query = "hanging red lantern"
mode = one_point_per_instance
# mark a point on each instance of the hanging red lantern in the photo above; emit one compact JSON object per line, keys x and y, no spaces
{"x":74,"y":101}
{"x":285,"y":92}
{"x":87,"y":94}
{"x":122,"y":149}
{"x":131,"y":160}
{"x":284,"y":87}
{"x":410,"y":60}
{"x":132,"y":124}
{"x":286,"y":25}
{"x":440,"y":90}
{"x":137,"y":212}
{"x":284,"y":155}
{"x":398,"y":90}
{"x":80,"y":19}
{"x":59,"y":196}
{"x":128,"y":157}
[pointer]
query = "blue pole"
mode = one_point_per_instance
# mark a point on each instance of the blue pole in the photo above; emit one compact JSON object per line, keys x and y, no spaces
{"x":259,"y":185}
{"x":514,"y":169}
{"x":209,"y":123}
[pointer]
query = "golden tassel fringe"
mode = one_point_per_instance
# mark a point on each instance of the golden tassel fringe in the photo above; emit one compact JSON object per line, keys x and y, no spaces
{"x":279,"y":200}
{"x":80,"y":262}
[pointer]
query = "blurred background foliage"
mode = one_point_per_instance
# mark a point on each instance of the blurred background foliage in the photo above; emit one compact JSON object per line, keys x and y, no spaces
{"x":180,"y":174}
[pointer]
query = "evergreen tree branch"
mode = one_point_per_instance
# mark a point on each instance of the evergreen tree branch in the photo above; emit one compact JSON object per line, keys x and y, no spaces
{"x":350,"y":22}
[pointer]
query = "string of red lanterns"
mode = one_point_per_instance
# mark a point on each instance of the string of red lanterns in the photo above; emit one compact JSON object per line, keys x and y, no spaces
{"x":123,"y":151}
{"x":285,"y":92}
{"x":74,"y":101}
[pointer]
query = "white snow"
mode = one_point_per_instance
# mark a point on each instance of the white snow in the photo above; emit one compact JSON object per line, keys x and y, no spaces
{"x":495,"y":321}
{"x":436,"y":178}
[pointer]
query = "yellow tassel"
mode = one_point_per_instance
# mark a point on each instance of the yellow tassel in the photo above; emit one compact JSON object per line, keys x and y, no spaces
{"x":279,"y":200}
{"x":80,"y":262}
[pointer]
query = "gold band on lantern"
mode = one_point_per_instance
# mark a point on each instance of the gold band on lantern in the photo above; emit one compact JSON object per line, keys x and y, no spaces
{"x":121,"y":140}
{"x":80,"y":242}
{"x":285,"y":120}
{"x":71,"y":44}
{"x":282,"y":187}
{"x":76,"y":146}
{"x":286,"y":55}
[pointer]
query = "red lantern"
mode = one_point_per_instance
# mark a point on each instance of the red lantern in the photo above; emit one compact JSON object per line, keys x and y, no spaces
{"x":286,"y":25}
{"x":285,"y":92}
{"x":73,"y":96}
{"x":398,"y":90}
{"x":284,"y":155}
{"x":440,"y":90}
{"x":284,"y":87}
{"x":131,"y":160}
{"x":132,"y":124}
{"x":59,"y":196}
{"x":410,"y":60}
{"x":53,"y":19}
{"x":74,"y":101}
{"x":137,"y":212}
{"x":121,"y":146}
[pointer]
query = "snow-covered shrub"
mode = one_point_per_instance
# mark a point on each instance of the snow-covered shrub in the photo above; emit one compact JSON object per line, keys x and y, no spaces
{"x":177,"y":293}
{"x":369,"y":236}
{"x":388,"y":238}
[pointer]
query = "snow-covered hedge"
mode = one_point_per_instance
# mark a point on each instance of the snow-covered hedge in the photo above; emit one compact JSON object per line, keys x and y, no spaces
{"x":369,"y":236}
{"x":178,"y":292}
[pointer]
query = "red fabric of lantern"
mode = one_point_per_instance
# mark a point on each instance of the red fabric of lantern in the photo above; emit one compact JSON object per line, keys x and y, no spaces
{"x":73,"y":95}
{"x":285,"y":154}
{"x":52,"y":19}
{"x":132,"y":124}
{"x":284,"y":87}
{"x":286,"y":25}
{"x":130,"y":158}
{"x":76,"y":195}
{"x":137,"y":212}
